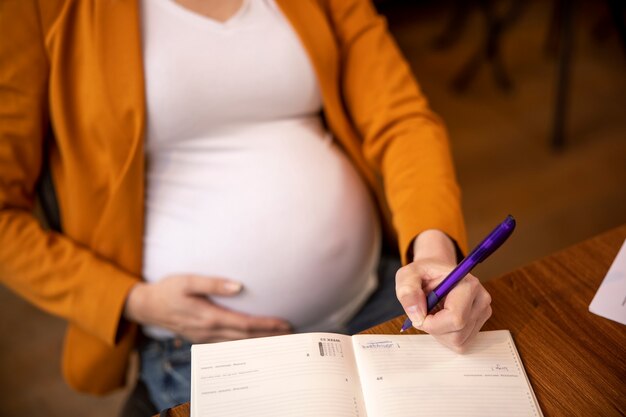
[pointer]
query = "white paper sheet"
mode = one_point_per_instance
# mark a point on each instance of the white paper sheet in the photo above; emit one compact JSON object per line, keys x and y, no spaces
{"x":610,"y":300}
{"x":417,"y":376}
{"x":328,"y":375}
{"x":304,"y":375}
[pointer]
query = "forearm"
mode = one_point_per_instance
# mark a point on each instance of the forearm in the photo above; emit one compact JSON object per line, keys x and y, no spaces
{"x":61,"y":277}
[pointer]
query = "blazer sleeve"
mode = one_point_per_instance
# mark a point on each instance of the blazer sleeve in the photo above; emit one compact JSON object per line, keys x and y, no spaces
{"x":403,"y":140}
{"x":46,"y":268}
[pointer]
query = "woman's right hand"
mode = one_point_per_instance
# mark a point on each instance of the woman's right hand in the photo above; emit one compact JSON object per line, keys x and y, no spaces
{"x":180,"y":304}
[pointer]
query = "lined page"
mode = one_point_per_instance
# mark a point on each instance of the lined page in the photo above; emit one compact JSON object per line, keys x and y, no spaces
{"x":414,"y":375}
{"x":311,"y":374}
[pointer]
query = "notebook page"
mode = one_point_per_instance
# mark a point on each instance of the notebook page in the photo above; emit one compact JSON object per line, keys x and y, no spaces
{"x":311,"y":374}
{"x":414,"y":375}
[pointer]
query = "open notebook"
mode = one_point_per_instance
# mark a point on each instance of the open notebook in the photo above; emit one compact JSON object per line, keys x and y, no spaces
{"x":325,"y":374}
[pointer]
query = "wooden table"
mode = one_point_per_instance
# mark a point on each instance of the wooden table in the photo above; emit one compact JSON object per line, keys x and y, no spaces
{"x":576,"y":361}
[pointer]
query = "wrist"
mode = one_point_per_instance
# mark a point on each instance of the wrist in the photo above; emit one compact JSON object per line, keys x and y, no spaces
{"x":434,"y":244}
{"x":135,"y":300}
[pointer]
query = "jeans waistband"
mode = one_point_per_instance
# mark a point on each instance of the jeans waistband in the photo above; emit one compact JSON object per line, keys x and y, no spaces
{"x":164,"y":345}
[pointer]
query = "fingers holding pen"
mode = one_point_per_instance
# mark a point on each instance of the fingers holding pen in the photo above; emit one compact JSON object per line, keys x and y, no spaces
{"x":414,"y":281}
{"x":456,"y":308}
{"x":465,"y":310}
{"x":467,"y":305}
{"x":410,"y":293}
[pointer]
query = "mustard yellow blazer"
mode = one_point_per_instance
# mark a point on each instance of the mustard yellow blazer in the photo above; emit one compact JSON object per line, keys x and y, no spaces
{"x":76,"y":65}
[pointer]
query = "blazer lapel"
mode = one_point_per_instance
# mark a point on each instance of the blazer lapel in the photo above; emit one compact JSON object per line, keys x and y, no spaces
{"x":118,"y":43}
{"x":118,"y":54}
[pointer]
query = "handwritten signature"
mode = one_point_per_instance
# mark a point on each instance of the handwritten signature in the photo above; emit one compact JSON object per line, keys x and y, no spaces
{"x":500,"y":368}
{"x":383,"y":344}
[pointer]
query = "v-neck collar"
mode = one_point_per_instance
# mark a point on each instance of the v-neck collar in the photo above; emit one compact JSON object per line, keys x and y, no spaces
{"x":195,"y":18}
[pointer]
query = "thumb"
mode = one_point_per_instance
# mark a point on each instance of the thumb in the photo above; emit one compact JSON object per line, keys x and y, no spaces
{"x":411,"y":295}
{"x":417,"y":311}
{"x":200,"y":285}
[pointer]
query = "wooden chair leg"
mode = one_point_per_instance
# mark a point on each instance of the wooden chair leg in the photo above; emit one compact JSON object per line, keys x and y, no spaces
{"x":489,"y":50}
{"x":563,"y":74}
{"x":616,"y":10}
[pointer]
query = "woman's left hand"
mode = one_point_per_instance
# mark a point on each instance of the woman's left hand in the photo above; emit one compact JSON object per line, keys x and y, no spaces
{"x":464,"y":310}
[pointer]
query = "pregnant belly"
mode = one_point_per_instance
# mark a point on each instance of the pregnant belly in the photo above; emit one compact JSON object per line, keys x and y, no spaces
{"x":283,"y":212}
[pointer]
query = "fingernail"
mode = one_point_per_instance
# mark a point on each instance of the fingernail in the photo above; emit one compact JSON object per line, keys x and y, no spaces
{"x":232,"y":287}
{"x":415,"y":315}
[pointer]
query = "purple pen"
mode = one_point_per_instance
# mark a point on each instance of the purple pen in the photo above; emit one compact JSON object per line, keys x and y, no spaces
{"x":488,"y":246}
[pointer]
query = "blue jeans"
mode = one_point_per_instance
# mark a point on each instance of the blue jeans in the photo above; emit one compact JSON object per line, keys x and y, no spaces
{"x":165,"y":369}
{"x":166,"y":364}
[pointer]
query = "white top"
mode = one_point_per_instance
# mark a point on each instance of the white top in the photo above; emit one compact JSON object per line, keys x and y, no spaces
{"x":243,"y":182}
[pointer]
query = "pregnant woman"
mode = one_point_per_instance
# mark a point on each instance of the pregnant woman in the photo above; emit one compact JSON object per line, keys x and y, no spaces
{"x":223,"y":169}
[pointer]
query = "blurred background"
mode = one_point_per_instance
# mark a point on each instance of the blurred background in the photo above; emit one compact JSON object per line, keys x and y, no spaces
{"x":494,"y":70}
